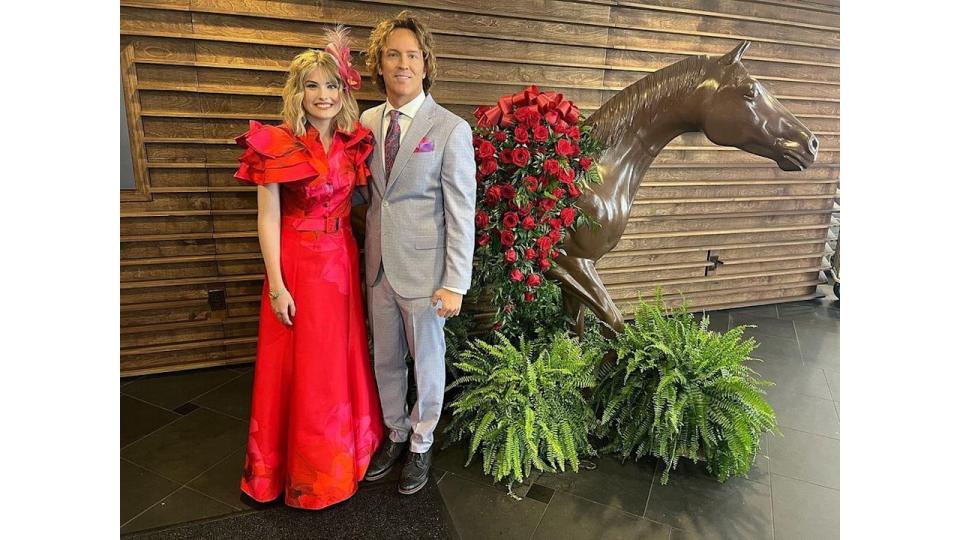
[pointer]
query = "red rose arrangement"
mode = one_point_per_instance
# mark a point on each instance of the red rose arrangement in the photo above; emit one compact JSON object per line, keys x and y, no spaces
{"x":534,"y":158}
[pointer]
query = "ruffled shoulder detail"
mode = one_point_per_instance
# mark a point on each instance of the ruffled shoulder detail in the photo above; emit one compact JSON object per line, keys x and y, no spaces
{"x":359,"y":146}
{"x":272,"y":155}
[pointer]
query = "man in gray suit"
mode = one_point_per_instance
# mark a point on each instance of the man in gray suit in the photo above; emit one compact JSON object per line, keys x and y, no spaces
{"x":418,"y":241}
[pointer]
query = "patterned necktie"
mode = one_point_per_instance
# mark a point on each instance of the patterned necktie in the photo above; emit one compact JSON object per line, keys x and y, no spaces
{"x":392,"y":142}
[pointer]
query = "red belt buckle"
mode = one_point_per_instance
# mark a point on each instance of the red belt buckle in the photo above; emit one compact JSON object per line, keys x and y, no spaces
{"x":331,"y":225}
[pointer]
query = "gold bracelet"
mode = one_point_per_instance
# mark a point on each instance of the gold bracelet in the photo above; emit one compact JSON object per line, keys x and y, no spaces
{"x":275,"y":294}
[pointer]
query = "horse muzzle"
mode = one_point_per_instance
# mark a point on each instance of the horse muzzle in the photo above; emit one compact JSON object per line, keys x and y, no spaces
{"x":797,"y":156}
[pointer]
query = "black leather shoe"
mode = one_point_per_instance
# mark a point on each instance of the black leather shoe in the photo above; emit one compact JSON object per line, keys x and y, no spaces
{"x":415,"y":472}
{"x":388,"y":454}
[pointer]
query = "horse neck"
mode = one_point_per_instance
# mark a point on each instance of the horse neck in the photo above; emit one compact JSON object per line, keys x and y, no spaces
{"x":649,"y":132}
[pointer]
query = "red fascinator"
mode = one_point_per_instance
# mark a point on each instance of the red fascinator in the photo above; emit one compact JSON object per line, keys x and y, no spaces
{"x":338,"y":45}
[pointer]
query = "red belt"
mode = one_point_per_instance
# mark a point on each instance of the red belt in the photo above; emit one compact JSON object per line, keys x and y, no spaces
{"x":317,"y":225}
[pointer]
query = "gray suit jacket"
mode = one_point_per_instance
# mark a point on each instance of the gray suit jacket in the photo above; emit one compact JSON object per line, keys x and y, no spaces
{"x":420,"y":222}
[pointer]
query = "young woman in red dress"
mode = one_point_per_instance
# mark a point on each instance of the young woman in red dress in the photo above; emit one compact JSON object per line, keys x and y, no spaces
{"x":315,"y":419}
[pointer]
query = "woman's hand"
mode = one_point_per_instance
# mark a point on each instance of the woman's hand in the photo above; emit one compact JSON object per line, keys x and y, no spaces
{"x":283,"y":307}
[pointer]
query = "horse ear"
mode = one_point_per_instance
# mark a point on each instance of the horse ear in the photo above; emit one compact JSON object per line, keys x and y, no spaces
{"x":734,"y":56}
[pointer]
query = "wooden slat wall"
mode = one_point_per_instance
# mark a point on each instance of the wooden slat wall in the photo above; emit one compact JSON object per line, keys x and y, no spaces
{"x":205,"y":67}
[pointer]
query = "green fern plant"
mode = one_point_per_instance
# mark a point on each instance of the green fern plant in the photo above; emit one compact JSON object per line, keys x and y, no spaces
{"x":521,"y":406}
{"x":678,"y":389}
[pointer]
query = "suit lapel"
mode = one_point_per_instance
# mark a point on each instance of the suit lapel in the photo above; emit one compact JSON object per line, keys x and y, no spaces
{"x":377,"y":159}
{"x":421,"y":124}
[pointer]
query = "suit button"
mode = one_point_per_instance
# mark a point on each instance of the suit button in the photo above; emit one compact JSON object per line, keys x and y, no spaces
{"x":386,"y":204}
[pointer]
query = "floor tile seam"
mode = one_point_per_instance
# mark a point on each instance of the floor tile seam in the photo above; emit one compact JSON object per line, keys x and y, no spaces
{"x":811,"y":433}
{"x":781,"y":475}
{"x":773,"y":511}
{"x":228,"y":381}
{"x":617,"y":508}
{"x":540,"y":520}
{"x":653,"y":478}
{"x":141,"y":400}
{"x":805,"y":394}
{"x":796,"y":336}
{"x":174,"y":421}
{"x":805,"y":481}
{"x":184,"y":523}
{"x":837,"y":438}
{"x":228,"y":415}
{"x":184,"y":484}
{"x":215,"y":465}
{"x":147,"y":509}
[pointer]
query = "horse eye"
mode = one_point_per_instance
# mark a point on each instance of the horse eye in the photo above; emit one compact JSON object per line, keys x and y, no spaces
{"x":751,"y":93}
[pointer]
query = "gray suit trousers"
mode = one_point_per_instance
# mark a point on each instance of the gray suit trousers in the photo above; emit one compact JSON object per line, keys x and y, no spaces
{"x":400,"y":325}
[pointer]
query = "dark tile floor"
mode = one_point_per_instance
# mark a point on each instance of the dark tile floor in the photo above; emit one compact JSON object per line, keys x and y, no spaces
{"x":183,"y":436}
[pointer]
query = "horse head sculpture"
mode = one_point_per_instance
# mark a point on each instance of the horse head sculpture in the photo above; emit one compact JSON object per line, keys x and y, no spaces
{"x":714,"y":95}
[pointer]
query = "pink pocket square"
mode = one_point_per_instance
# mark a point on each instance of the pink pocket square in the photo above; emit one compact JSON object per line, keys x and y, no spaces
{"x":425,"y":145}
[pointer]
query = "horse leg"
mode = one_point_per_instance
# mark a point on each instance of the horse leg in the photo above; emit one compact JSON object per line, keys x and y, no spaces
{"x":582,"y":279}
{"x":574,"y":309}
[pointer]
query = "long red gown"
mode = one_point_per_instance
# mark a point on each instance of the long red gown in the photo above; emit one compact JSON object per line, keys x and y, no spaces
{"x":315,"y":419}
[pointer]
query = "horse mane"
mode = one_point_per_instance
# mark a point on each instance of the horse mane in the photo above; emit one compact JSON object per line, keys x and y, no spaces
{"x":611,"y":122}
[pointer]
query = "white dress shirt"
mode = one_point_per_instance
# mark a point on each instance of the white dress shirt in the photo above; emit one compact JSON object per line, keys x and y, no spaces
{"x":407,"y":112}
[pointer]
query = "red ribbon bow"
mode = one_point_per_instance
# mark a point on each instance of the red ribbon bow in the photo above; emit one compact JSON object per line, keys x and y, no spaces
{"x":509,"y":107}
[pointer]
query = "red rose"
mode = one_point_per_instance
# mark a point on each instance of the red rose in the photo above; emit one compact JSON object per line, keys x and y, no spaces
{"x":488,"y":166}
{"x":541,"y":133}
{"x":586,"y":162}
{"x":516,"y":275}
{"x":521,"y":135}
{"x":476,"y":141}
{"x":509,"y":192}
{"x":530,"y":254}
{"x":574,"y":133}
{"x":507,"y":238}
{"x":505,"y":156}
{"x":525,"y":209}
{"x":554,"y":253}
{"x":484,"y":239}
{"x":528,"y":223}
{"x":533,"y":119}
{"x":520,"y":156}
{"x":558,"y":192}
{"x":544,"y":265}
{"x":555,"y":223}
{"x":574,"y":190}
{"x":544,"y":243}
{"x":561,"y":127}
{"x":551,"y":166}
{"x":486,"y":150}
{"x":510,"y":256}
{"x":566,"y":175}
{"x":533,"y":280}
{"x":568,"y":215}
{"x":576,"y":149}
{"x":564,"y":148}
{"x":492,"y":196}
{"x":532,"y":183}
{"x":500,"y":136}
{"x":510,"y":220}
{"x":482,"y":219}
{"x":551,"y":117}
{"x":554,"y":235}
{"x":528,"y":297}
{"x":547,"y":204}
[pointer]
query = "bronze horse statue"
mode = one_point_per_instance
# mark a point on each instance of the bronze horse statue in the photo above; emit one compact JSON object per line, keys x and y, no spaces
{"x":714,"y":95}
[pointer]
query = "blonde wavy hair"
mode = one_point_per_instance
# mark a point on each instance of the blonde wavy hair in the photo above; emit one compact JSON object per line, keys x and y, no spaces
{"x":378,"y":40}
{"x":301,"y":66}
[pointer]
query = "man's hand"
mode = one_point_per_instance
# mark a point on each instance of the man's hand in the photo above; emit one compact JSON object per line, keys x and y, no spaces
{"x":450,"y":303}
